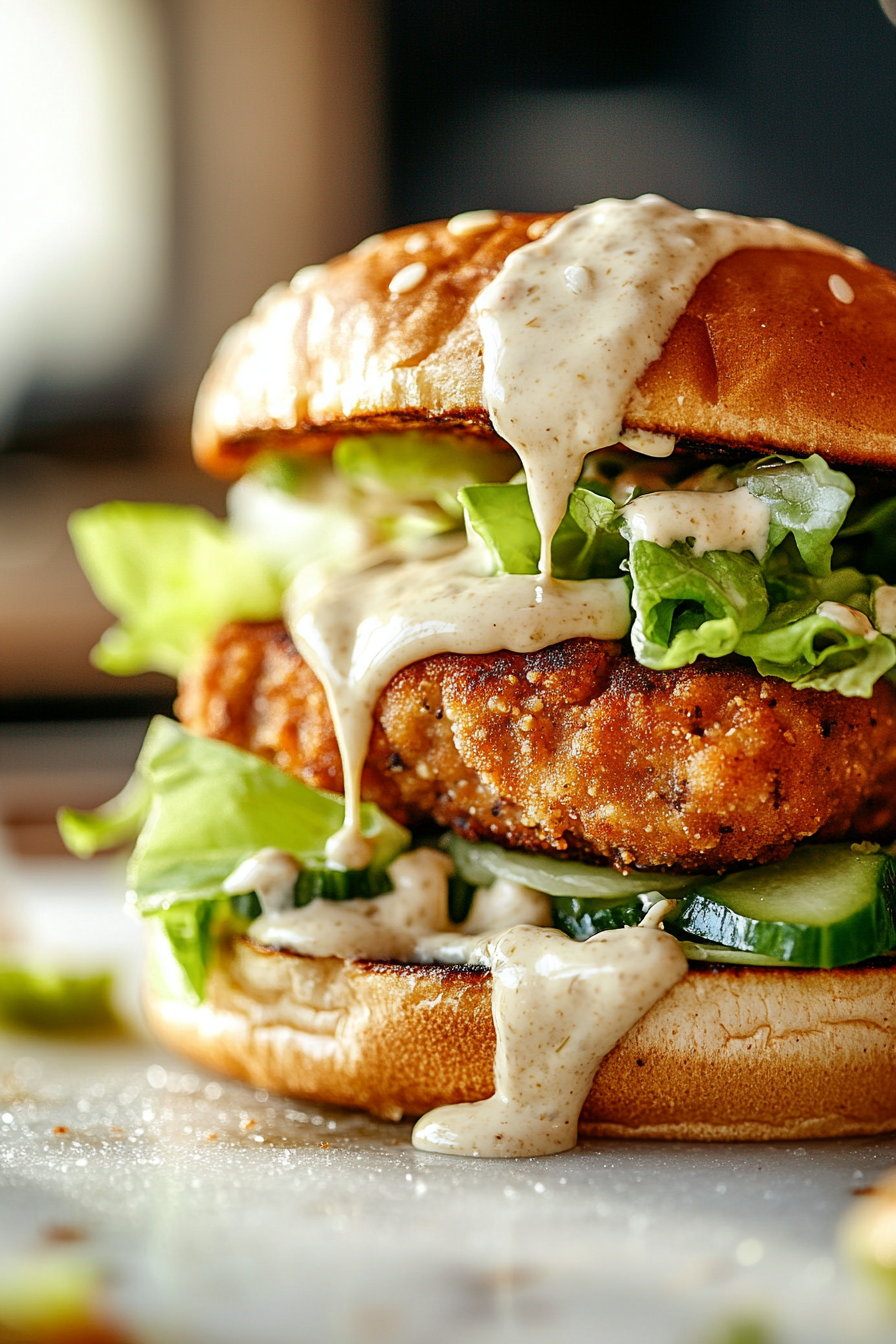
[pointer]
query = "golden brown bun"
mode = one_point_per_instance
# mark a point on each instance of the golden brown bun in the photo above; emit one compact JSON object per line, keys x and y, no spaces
{"x":729,"y":1053}
{"x":763,"y":356}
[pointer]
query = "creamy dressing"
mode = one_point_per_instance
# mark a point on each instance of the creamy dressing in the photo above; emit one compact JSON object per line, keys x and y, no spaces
{"x":271,"y":874}
{"x":506,"y":903}
{"x":559,"y":1007}
{"x":410,"y":923}
{"x":884,"y":607}
{"x":852,"y":621}
{"x":358,"y":632}
{"x":382,"y":928}
{"x":562,"y":357}
{"x":649,"y":445}
{"x":734,"y":520}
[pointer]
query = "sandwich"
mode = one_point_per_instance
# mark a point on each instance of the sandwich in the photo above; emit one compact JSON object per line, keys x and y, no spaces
{"x":535,"y":755}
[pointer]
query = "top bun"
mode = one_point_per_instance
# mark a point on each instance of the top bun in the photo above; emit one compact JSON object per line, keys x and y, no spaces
{"x":385,"y":338}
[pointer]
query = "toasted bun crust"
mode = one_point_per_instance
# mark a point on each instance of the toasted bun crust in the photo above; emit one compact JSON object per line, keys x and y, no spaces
{"x":764,"y":356}
{"x":729,"y":1053}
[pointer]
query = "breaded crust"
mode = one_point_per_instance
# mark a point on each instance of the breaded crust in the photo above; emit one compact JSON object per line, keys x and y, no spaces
{"x":577,"y":749}
{"x":764,"y":355}
{"x":728,"y":1053}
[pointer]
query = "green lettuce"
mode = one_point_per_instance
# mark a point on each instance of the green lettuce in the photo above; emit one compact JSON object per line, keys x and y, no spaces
{"x":815,"y":652}
{"x":587,"y":545}
{"x":106,"y":827}
{"x":210,"y":806}
{"x":688,"y":605}
{"x":213,"y":805}
{"x":419,"y":467}
{"x":173,"y":575}
{"x":806,"y":500}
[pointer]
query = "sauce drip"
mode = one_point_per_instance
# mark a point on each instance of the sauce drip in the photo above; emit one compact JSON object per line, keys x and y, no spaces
{"x":359,"y":631}
{"x":383,"y":928}
{"x":271,"y":874}
{"x":559,"y":1007}
{"x":731,"y":521}
{"x":852,"y":621}
{"x":884,"y":600}
{"x":573,"y":320}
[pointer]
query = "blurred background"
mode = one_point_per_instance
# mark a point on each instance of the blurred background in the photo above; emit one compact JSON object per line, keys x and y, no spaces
{"x":162,"y":162}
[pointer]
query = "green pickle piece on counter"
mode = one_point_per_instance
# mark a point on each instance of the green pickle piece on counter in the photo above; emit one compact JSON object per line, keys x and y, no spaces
{"x":40,"y":999}
{"x":824,"y":906}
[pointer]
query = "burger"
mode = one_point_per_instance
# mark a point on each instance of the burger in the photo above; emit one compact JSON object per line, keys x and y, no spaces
{"x":535,"y":753}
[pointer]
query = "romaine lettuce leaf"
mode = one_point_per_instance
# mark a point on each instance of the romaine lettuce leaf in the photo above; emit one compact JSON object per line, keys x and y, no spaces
{"x":414,"y":466}
{"x":190,"y":928}
{"x":806,"y":499}
{"x":815,"y":652}
{"x":173,"y":575}
{"x":114,"y":823}
{"x":206,"y":806}
{"x":687,"y":605}
{"x":588,"y":544}
{"x":213,"y":805}
{"x":210,"y":806}
{"x":294,"y":531}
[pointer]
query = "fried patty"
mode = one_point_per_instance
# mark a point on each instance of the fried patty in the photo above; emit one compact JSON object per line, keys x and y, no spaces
{"x":577,"y":748}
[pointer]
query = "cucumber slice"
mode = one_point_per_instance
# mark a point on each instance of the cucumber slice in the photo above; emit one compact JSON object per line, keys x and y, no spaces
{"x":340,"y":884}
{"x":481,"y":863}
{"x":582,"y":919}
{"x":727,"y":956}
{"x":460,"y":898}
{"x":826,"y":905}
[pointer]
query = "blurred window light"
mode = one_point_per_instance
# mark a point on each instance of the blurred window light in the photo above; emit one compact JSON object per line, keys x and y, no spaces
{"x":83,"y":190}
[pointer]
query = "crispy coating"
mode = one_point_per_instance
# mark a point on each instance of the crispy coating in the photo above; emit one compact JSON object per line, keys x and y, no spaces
{"x":576,"y":748}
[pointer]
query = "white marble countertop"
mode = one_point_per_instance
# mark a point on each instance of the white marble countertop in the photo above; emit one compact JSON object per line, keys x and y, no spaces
{"x":221,"y":1214}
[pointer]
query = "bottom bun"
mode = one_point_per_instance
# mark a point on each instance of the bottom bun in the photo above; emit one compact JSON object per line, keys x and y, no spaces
{"x":729,"y":1053}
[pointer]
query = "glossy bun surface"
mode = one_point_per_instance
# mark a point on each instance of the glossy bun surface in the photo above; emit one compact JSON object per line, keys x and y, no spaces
{"x":385,"y":338}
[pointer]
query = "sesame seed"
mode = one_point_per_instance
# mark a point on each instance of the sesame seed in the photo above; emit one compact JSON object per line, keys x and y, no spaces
{"x":841,"y":289}
{"x":538,"y":228}
{"x":368,"y":245}
{"x":578,"y":278}
{"x":407,"y":278}
{"x":472,"y":221}
{"x":417,"y":242}
{"x":303,"y":278}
